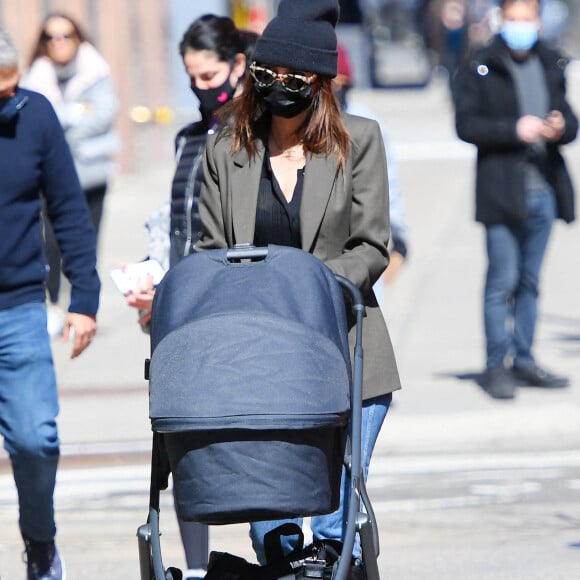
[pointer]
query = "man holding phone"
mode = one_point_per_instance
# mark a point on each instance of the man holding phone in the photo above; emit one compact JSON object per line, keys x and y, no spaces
{"x":511,"y":103}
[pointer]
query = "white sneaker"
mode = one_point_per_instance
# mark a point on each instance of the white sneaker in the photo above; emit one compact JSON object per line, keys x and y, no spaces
{"x":54,"y":320}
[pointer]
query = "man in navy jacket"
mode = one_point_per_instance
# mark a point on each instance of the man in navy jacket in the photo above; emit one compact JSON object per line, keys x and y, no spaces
{"x":510,"y":102}
{"x":35,"y":160}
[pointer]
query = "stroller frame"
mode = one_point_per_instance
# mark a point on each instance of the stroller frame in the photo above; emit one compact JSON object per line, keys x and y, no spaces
{"x":363,"y":523}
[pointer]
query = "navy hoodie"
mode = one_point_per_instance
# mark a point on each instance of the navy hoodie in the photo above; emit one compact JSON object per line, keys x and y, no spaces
{"x":35,"y":159}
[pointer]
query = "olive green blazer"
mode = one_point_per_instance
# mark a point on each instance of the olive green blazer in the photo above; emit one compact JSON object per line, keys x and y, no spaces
{"x":344,"y":219}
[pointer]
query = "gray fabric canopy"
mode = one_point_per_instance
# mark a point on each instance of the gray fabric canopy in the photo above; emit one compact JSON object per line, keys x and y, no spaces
{"x":249,"y":345}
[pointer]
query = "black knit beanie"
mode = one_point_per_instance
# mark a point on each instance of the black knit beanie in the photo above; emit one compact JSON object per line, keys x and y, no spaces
{"x":301,"y":37}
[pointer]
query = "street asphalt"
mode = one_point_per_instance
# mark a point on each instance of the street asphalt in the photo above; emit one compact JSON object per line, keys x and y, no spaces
{"x":433,"y":310}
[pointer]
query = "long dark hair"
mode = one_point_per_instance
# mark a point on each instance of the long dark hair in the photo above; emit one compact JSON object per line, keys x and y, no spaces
{"x":41,"y":46}
{"x":216,"y":33}
{"x":246,"y":120}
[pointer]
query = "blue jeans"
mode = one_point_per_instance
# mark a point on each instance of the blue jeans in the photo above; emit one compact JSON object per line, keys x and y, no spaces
{"x":515,"y":255}
{"x":331,"y":526}
{"x":28,"y":410}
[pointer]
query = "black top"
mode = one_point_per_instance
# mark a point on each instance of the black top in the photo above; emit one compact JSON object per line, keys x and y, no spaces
{"x":277,"y":220}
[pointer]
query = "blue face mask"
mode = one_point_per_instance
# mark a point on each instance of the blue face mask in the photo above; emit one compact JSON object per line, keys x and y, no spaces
{"x":519,"y":36}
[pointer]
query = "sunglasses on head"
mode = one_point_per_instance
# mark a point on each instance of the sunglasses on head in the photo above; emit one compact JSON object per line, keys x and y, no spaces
{"x":265,"y":78}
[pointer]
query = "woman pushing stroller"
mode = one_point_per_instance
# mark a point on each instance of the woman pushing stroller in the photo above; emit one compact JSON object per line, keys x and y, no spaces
{"x":288,"y":168}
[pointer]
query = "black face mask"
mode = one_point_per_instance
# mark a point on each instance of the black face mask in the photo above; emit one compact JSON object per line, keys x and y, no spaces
{"x":210,"y":100}
{"x":11,"y":106}
{"x":284,"y":103}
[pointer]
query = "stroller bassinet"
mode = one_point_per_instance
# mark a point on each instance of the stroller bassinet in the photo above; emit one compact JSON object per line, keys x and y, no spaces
{"x":249,"y":385}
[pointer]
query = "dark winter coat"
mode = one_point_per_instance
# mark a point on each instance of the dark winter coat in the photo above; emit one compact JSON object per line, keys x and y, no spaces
{"x":486,"y":107}
{"x":185,"y":221}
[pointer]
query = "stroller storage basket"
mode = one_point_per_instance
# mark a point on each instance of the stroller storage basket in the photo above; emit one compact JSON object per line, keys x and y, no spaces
{"x":249,"y":385}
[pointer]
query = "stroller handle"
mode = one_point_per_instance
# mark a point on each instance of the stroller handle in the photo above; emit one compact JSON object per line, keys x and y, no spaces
{"x":355,"y":293}
{"x":246,"y":252}
{"x":356,"y":476}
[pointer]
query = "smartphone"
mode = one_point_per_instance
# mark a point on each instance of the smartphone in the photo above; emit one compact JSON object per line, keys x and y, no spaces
{"x":126,"y":279}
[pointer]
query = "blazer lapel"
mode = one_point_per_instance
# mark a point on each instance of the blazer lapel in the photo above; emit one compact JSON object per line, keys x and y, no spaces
{"x":319,"y":178}
{"x":245,"y":187}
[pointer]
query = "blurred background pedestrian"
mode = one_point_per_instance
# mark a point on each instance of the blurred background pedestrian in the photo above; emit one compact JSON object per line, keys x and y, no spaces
{"x":511,"y":103}
{"x":453,"y":25}
{"x":215,"y":55}
{"x":399,"y":242}
{"x":554,"y":15}
{"x":70,"y":72}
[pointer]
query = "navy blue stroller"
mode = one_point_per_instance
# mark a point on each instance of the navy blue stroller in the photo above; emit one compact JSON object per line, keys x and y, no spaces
{"x":254,"y":402}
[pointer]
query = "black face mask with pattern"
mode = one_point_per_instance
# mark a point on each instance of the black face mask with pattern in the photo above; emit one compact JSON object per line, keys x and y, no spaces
{"x":284,"y":103}
{"x":210,"y":100}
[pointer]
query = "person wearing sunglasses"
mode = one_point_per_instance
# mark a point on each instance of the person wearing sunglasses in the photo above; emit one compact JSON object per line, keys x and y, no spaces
{"x":289,"y":168}
{"x":68,"y":70}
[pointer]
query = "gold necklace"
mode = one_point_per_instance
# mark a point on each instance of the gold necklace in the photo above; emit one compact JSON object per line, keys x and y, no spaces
{"x":293,"y":152}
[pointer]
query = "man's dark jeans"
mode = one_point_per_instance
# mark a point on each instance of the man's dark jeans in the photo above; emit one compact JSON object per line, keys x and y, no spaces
{"x":515,"y":255}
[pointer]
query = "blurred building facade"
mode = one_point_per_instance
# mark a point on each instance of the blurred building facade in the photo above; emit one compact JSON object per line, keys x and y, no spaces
{"x":139,"y":39}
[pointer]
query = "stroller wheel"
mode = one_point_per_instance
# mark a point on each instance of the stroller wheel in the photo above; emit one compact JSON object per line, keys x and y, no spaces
{"x":173,"y":574}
